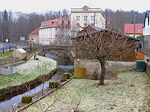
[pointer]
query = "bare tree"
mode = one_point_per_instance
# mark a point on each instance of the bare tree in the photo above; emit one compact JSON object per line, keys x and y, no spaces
{"x":63,"y":36}
{"x":102,"y":45}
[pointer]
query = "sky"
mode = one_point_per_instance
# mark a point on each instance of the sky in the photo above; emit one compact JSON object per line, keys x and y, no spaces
{"x":42,"y":6}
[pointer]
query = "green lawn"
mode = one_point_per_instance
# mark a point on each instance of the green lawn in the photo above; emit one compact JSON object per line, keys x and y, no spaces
{"x":28,"y":71}
{"x":6,"y":54}
{"x":129,"y":94}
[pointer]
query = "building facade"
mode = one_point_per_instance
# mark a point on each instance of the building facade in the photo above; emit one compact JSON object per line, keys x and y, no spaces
{"x":54,"y":31}
{"x":34,"y":36}
{"x":146,"y":30}
{"x":81,"y":17}
{"x":133,"y":30}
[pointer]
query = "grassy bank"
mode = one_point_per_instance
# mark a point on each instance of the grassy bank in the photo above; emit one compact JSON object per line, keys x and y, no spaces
{"x":29,"y":75}
{"x":5,"y":55}
{"x":131,"y":93}
{"x":28,"y":71}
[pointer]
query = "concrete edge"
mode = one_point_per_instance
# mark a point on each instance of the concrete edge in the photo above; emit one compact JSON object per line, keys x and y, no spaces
{"x":46,"y":94}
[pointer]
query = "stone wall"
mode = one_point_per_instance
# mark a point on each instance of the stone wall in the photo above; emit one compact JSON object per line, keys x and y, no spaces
{"x":8,"y":70}
{"x":146,"y":41}
{"x":93,"y":66}
{"x":148,"y":68}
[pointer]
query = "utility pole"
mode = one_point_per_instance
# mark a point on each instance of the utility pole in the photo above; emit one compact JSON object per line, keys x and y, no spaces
{"x":134,"y":23}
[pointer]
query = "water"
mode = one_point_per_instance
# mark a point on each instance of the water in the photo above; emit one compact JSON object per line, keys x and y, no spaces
{"x":57,"y":76}
{"x":17,"y":99}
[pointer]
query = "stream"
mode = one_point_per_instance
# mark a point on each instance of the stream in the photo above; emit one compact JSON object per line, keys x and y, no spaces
{"x":62,"y":67}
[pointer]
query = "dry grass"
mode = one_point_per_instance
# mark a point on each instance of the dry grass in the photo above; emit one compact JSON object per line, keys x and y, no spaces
{"x":129,"y":94}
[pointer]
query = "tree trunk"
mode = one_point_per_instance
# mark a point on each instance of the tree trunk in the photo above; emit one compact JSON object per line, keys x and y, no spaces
{"x":103,"y":70}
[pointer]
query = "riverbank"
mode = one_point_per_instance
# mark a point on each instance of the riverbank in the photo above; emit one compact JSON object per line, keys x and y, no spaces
{"x":29,"y":75}
{"x":56,"y":77}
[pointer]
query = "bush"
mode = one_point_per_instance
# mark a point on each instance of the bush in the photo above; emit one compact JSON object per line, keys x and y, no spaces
{"x":56,"y":84}
{"x":63,"y":79}
{"x":53,"y":84}
{"x":26,"y":99}
{"x":67,"y":75}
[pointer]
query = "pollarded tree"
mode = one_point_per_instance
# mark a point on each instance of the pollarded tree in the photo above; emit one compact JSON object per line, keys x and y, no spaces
{"x":102,"y":45}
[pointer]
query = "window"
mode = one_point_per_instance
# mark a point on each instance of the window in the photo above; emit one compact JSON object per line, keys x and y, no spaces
{"x":66,"y":22}
{"x":92,"y":18}
{"x":139,"y":30}
{"x":77,"y":18}
{"x":85,"y":18}
{"x":92,"y":24}
{"x":77,"y":26}
{"x":85,"y":24}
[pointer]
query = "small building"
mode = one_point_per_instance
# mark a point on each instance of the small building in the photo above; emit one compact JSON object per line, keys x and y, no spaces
{"x":81,"y":17}
{"x":19,"y":54}
{"x":130,"y":29}
{"x":34,"y":36}
{"x":55,"y":31}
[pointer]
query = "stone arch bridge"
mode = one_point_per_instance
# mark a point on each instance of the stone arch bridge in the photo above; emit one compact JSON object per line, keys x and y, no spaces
{"x":68,"y":50}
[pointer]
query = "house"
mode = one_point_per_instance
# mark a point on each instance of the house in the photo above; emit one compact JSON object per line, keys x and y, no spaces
{"x":81,"y":17}
{"x":133,"y":30}
{"x":34,"y":36}
{"x":146,"y":30}
{"x":55,"y":31}
{"x":115,"y":62}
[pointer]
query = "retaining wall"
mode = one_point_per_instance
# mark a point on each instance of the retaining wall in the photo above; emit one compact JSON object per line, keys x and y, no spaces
{"x":93,"y":66}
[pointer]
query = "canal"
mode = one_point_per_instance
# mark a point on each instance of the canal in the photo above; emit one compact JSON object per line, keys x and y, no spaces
{"x":63,"y":66}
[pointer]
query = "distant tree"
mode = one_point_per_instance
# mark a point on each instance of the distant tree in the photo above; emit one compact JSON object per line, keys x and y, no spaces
{"x":5,"y":26}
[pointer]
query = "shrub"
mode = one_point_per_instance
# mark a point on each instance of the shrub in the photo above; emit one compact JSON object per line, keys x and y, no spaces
{"x":53,"y":84}
{"x":56,"y":84}
{"x":63,"y":79}
{"x":67,"y":75}
{"x":26,"y":99}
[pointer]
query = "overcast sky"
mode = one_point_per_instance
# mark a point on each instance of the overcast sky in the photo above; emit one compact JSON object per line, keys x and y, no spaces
{"x":42,"y":6}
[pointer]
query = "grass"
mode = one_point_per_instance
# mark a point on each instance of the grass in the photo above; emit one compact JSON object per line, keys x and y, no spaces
{"x":129,"y":94}
{"x":28,"y":71}
{"x":5,"y":55}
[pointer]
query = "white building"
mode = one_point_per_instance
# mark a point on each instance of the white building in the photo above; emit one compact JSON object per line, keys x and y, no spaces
{"x":81,"y":17}
{"x":146,"y":30}
{"x":54,"y":31}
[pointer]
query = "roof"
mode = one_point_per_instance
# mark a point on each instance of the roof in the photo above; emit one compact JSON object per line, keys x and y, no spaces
{"x":78,"y":36}
{"x":56,"y":23}
{"x":129,"y":28}
{"x":34,"y":32}
{"x":20,"y":50}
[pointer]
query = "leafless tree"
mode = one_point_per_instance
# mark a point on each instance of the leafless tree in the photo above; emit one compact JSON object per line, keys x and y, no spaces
{"x":102,"y":45}
{"x":63,"y":36}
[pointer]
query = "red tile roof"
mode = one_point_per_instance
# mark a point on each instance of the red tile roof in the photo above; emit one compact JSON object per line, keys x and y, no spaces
{"x":129,"y":28}
{"x":34,"y":32}
{"x":55,"y":23}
